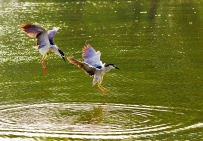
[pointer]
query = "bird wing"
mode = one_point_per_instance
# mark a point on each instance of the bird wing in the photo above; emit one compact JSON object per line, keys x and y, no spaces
{"x":87,"y":68}
{"x":92,"y":57}
{"x":36,"y":31}
{"x":51,"y":34}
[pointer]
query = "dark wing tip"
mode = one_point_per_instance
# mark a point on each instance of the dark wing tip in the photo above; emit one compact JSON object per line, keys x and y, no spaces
{"x":29,"y":25}
{"x":71,"y":59}
{"x":32,"y":30}
{"x":24,"y":26}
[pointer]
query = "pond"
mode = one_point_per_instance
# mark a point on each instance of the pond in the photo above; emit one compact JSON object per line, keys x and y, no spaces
{"x":156,"y":94}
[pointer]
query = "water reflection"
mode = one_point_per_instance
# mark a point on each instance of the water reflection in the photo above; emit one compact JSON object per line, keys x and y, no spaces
{"x":92,"y":120}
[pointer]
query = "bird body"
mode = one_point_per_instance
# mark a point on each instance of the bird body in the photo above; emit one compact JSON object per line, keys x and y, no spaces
{"x":93,"y":66}
{"x":45,"y":41}
{"x":99,"y":73}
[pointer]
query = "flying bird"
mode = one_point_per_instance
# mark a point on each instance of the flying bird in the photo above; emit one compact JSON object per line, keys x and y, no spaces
{"x":45,"y":41}
{"x":93,"y":66}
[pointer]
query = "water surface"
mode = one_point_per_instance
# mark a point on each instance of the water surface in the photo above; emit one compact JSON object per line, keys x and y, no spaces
{"x":157,"y":94}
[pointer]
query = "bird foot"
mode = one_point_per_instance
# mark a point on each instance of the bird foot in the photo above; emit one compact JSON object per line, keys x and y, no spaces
{"x":104,"y":90}
{"x":45,"y":70}
{"x":44,"y":67}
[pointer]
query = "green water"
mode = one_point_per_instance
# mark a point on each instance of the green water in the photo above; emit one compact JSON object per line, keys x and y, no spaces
{"x":156,"y":94}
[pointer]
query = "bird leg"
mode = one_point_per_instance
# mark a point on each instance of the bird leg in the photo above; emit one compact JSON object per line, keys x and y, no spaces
{"x":104,"y":90}
{"x":43,"y":66}
{"x":43,"y":63}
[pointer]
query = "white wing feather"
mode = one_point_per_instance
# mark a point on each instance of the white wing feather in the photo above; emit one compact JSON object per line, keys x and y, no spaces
{"x":51,"y":33}
{"x":92,"y":57}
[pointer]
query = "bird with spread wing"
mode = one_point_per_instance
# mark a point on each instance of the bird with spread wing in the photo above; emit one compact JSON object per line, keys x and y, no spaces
{"x":45,"y":41}
{"x":93,"y":66}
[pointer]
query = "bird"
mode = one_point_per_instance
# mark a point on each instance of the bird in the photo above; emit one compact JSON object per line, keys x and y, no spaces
{"x":93,"y":66}
{"x":45,"y":41}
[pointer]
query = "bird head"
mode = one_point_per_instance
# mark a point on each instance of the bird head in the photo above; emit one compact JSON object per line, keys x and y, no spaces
{"x":112,"y":66}
{"x":62,"y":54}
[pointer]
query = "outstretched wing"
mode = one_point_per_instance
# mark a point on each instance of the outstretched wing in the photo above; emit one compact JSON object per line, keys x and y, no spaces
{"x":92,"y":57}
{"x":36,"y":31}
{"x":87,"y":68}
{"x":51,"y":34}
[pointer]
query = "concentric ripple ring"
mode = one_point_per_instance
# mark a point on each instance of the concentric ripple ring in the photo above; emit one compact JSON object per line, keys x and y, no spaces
{"x":92,"y":120}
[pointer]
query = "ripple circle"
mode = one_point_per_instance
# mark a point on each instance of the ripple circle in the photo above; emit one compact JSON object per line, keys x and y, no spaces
{"x":91,"y":120}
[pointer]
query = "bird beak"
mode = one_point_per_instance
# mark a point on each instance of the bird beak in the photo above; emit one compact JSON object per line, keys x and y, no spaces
{"x":63,"y":58}
{"x":62,"y":54}
{"x":117,"y":68}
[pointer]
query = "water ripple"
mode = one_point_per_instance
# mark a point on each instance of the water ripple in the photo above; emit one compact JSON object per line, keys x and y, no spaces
{"x":91,"y":120}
